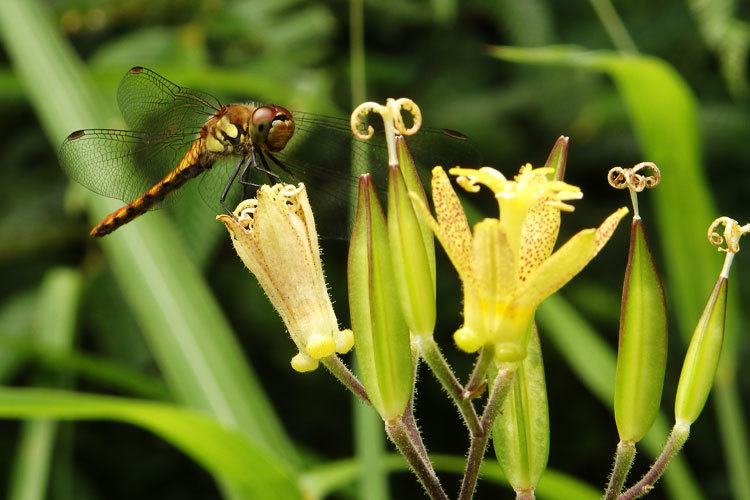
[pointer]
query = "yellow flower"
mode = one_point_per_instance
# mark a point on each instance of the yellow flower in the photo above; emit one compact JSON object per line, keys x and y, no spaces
{"x":275,"y":237}
{"x":507,"y":266}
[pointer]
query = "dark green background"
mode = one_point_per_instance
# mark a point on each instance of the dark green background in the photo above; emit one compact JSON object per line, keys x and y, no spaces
{"x":297,"y":53}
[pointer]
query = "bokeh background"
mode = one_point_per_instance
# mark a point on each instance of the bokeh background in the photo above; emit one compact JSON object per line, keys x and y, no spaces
{"x":164,"y":310}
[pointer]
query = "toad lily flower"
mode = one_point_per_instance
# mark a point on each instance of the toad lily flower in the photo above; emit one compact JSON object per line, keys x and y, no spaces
{"x":275,"y":237}
{"x":507,"y":266}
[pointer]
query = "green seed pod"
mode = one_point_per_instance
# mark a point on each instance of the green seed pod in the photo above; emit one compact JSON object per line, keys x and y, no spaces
{"x":521,"y":432}
{"x":702,"y":358}
{"x":642,"y":349}
{"x":413,"y":257}
{"x":383,"y":350}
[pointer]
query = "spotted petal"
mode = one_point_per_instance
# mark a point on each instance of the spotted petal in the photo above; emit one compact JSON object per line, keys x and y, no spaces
{"x":567,"y":261}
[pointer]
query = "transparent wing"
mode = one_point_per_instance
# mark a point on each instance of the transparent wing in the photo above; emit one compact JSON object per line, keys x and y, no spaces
{"x":164,"y":119}
{"x":151,"y":103}
{"x":119,"y":163}
{"x":321,"y":154}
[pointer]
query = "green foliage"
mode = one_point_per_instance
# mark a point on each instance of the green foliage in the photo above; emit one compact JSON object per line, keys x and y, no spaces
{"x":165,"y":310}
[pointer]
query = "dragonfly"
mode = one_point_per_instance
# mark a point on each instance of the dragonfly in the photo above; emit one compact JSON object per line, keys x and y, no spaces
{"x":176,"y":134}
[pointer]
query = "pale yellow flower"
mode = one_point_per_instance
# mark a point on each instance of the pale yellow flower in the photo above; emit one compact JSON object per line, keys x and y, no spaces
{"x":274,"y":235}
{"x":506,"y":265}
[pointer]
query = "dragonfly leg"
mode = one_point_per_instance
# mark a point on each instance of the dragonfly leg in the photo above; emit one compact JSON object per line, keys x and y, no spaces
{"x":281,"y":165}
{"x":272,"y":176}
{"x":251,"y":162}
{"x":224,"y":193}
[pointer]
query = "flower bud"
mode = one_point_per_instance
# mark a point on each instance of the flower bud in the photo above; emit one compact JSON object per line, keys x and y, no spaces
{"x":380,"y":331}
{"x":642,"y":352}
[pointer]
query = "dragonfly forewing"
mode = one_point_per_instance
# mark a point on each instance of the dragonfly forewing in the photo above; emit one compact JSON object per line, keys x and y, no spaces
{"x":120,"y":164}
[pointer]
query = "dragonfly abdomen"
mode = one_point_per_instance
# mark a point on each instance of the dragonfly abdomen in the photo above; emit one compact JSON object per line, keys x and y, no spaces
{"x":193,"y":163}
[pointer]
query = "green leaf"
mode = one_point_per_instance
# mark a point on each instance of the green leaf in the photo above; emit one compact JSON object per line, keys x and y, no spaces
{"x":225,"y":452}
{"x":554,"y":485}
{"x":54,"y":325}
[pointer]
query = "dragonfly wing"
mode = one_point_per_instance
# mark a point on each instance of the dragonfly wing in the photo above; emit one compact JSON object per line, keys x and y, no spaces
{"x":151,"y":103}
{"x":325,"y":155}
{"x":119,"y":163}
{"x":320,"y":136}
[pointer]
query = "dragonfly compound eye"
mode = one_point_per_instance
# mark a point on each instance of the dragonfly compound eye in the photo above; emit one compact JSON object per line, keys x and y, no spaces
{"x":273,"y":127}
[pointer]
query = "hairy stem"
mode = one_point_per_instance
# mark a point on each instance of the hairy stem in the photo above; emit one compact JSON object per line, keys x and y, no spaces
{"x":623,"y":462}
{"x":500,"y":388}
{"x":677,"y":438}
{"x":399,"y":432}
{"x":477,"y":381}
{"x":339,"y":370}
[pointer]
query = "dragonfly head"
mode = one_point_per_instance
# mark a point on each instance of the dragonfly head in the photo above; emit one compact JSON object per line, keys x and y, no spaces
{"x":271,"y":127}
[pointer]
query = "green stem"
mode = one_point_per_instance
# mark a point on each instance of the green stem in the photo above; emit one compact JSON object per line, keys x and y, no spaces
{"x":525,"y":495}
{"x":677,"y":438}
{"x":356,"y":52}
{"x":613,"y":25}
{"x":401,"y":436}
{"x":500,"y":388}
{"x":434,"y":358}
{"x":339,"y":370}
{"x":478,"y":378}
{"x":411,"y":427}
{"x":623,"y":462}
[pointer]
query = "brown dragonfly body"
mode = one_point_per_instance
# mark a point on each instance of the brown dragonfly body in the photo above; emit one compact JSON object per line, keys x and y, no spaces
{"x":193,"y":163}
{"x":234,"y":130}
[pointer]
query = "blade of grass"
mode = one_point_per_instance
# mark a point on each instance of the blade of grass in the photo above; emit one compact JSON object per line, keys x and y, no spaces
{"x":189,"y":336}
{"x":96,"y":369}
{"x":332,"y":476}
{"x":369,"y":442}
{"x":53,"y":326}
{"x":225,"y":452}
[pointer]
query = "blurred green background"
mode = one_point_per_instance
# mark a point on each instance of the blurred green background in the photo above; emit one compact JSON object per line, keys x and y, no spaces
{"x":163,"y":310}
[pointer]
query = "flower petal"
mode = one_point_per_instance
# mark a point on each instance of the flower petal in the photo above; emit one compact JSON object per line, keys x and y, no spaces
{"x":246,"y":245}
{"x":451,"y":227}
{"x":538,"y":236}
{"x":567,"y":261}
{"x":492,"y":262}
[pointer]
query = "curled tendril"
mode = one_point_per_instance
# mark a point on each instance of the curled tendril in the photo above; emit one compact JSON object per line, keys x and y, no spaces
{"x":731,"y":234}
{"x":632,"y":178}
{"x":392,"y":116}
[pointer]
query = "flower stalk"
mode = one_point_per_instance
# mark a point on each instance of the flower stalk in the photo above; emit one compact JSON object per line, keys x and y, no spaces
{"x":501,"y":386}
{"x":623,"y":461}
